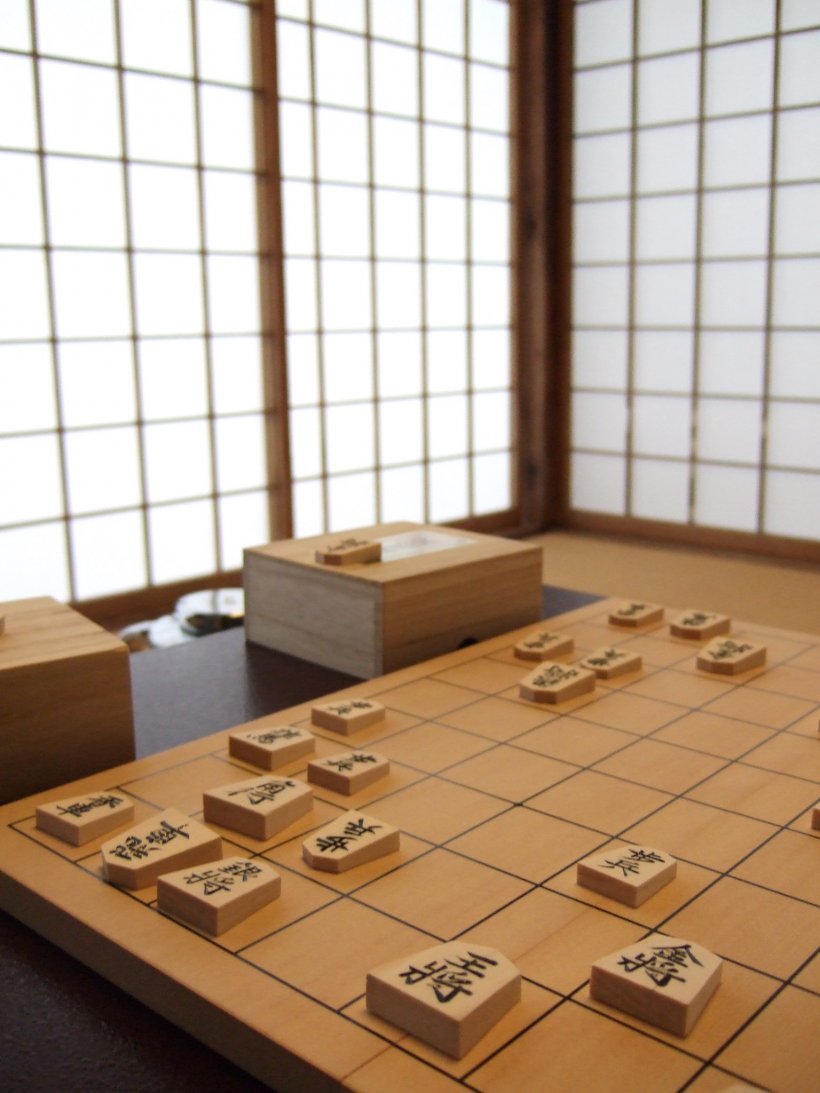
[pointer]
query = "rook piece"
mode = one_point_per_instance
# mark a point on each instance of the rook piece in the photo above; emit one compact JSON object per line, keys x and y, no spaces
{"x":271,"y":748}
{"x":608,"y":662}
{"x":348,"y":551}
{"x":258,"y":807}
{"x":630,"y":874}
{"x":78,"y":820}
{"x":699,"y":625}
{"x":543,"y":645}
{"x":350,"y":840}
{"x":347,"y":715}
{"x":349,"y":771}
{"x":663,"y":980}
{"x":556,"y":683}
{"x":449,"y":996}
{"x":218,"y":895}
{"x":636,"y":614}
{"x":168,"y":840}
{"x":729,"y":657}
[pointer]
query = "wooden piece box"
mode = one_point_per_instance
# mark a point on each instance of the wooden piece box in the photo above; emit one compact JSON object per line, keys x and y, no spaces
{"x":65,"y":698}
{"x":434,"y":589}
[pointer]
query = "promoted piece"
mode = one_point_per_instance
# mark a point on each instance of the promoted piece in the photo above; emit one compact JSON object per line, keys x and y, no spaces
{"x":728,"y":657}
{"x":349,"y":771}
{"x":347,"y":716}
{"x":556,"y":683}
{"x":350,"y":551}
{"x":218,"y":895}
{"x":608,"y":662}
{"x":435,"y":589}
{"x":629,"y":874}
{"x":258,"y":807}
{"x":449,"y":996}
{"x":78,"y":820}
{"x":636,"y":614}
{"x":350,"y":840}
{"x":66,"y":707}
{"x":662,"y":980}
{"x":271,"y":748}
{"x":699,"y":625}
{"x":543,"y":645}
{"x":169,"y":840}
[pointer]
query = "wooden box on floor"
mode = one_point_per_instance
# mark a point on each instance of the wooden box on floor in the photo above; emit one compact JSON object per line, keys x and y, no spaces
{"x":66,"y":698}
{"x":434,"y":589}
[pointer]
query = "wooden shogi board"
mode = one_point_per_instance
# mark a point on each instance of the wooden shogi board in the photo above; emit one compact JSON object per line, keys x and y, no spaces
{"x":497,"y":799}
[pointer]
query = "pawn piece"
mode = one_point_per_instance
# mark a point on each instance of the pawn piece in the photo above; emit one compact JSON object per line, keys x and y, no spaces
{"x":351,"y":839}
{"x":78,"y":820}
{"x":636,"y":614}
{"x":543,"y":645}
{"x":699,"y":625}
{"x":348,"y":771}
{"x":662,"y":980}
{"x":350,"y":551}
{"x":729,"y":657}
{"x":258,"y":807}
{"x":217,"y":896}
{"x":608,"y":662}
{"x":629,"y":874}
{"x":347,"y":715}
{"x":271,"y":748}
{"x":556,"y":683}
{"x":168,"y":840}
{"x":449,"y":995}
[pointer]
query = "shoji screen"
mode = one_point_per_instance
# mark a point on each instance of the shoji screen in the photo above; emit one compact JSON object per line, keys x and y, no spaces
{"x":394,"y":135}
{"x":696,"y":320}
{"x":131,"y":417}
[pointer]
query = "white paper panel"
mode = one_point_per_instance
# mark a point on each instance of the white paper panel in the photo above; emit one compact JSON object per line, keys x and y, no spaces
{"x":398,"y":295}
{"x":729,"y":430}
{"x":305,"y":443}
{"x":108,"y":554}
{"x":349,"y":437}
{"x":446,"y":361}
{"x":598,"y":483}
{"x":663,"y":360}
{"x":600,"y":296}
{"x":295,"y":139}
{"x":737,"y":151}
{"x":27,"y":396}
{"x":601,"y":231}
{"x":351,"y":501}
{"x":400,"y":431}
{"x":230,"y":211}
{"x":237,"y":374}
{"x":602,"y":166}
{"x":156,"y":34}
{"x":344,"y":221}
{"x":102,"y":469}
{"x":599,"y":421}
{"x":303,"y":369}
{"x":599,"y":359}
{"x":491,"y":421}
{"x":733,"y":293}
{"x":399,"y":359}
{"x":395,"y":79}
{"x":660,"y":490}
{"x":37,"y":495}
{"x":792,"y":505}
{"x":726,"y":19}
{"x":348,"y":367}
{"x":602,"y":99}
{"x":91,"y":294}
{"x":444,"y":158}
{"x":18,"y":127}
{"x":445,"y":227}
{"x":603,"y":31}
{"x":164,"y":207}
{"x":798,"y":153}
{"x":795,"y":364}
{"x":96,"y":383}
{"x":241,"y":459}
{"x":85,"y":203}
{"x":224,"y":42}
{"x":491,"y":359}
{"x":80,"y":109}
{"x":489,"y":231}
{"x":402,"y":494}
{"x":798,"y":219}
{"x":663,"y":26}
{"x":308,"y":512}
{"x":665,"y":227}
{"x":443,"y":25}
{"x":668,"y":89}
{"x":799,"y":71}
{"x":395,"y":152}
{"x":345,"y":295}
{"x":448,"y":489}
{"x":739,"y":78}
{"x":226,"y":117}
{"x":342,"y":143}
{"x":447,"y":425}
{"x":15,"y":29}
{"x":796,"y":292}
{"x":735,"y":223}
{"x":177,"y":460}
{"x":492,"y":482}
{"x":33,"y":562}
{"x":489,"y":34}
{"x":667,"y":159}
{"x":726,"y":497}
{"x":489,"y":99}
{"x":398,"y":225}
{"x":243,"y":522}
{"x":345,"y":14}
{"x":794,"y":434}
{"x":491,"y":295}
{"x":732,"y":362}
{"x":664,"y":295}
{"x":661,"y":425}
{"x":300,"y":294}
{"x":340,"y":69}
{"x":168,"y":289}
{"x":394,"y":19}
{"x":447,"y":296}
{"x":160,"y":119}
{"x":21,"y":210}
{"x":181,"y":541}
{"x":172,"y":378}
{"x":298,"y":221}
{"x":490,"y":154}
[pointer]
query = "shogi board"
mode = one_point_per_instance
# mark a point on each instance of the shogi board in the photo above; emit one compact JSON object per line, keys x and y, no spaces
{"x":496,"y":799}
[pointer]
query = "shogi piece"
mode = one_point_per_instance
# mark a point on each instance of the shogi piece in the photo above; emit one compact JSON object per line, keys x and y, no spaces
{"x":218,"y":895}
{"x":349,"y":771}
{"x":351,"y":839}
{"x":609,"y":662}
{"x":729,"y":657}
{"x":449,"y":996}
{"x":636,"y":614}
{"x":271,"y":748}
{"x":543,"y":645}
{"x":259,"y":807}
{"x":556,"y":683}
{"x":699,"y":625}
{"x":78,"y":820}
{"x":350,"y":551}
{"x":665,"y":981}
{"x":434,"y":590}
{"x":347,"y":715}
{"x":66,"y":707}
{"x":167,"y":841}
{"x":629,"y":874}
